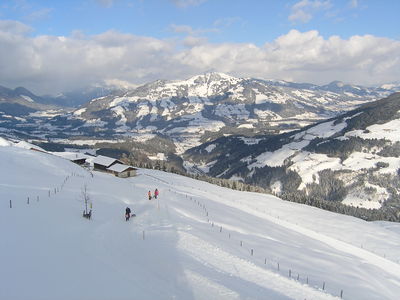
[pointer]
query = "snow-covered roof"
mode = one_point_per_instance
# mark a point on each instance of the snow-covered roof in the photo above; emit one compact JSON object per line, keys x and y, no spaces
{"x":4,"y":142}
{"x":26,"y":145}
{"x":71,"y":155}
{"x":119,"y":168}
{"x":104,"y":160}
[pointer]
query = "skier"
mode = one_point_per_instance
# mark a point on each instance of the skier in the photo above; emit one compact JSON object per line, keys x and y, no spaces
{"x":149,"y":193}
{"x":156,"y":193}
{"x":127,"y":213}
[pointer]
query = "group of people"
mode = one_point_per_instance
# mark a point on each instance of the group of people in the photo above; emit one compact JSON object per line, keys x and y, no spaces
{"x":128,"y":212}
{"x":155,"y":194}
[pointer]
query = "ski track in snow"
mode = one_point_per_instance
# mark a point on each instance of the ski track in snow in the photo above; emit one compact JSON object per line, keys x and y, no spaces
{"x":233,"y":266}
{"x":365,"y":256}
{"x":222,"y":261}
{"x":374,"y":259}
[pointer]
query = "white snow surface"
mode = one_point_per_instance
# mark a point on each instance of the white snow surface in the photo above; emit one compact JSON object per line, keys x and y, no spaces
{"x":158,"y":156}
{"x":185,"y":245}
{"x":389,"y":131}
{"x":249,"y":140}
{"x":210,"y":148}
{"x":79,"y":111}
{"x":27,"y":98}
{"x":307,"y":165}
{"x":301,"y":140}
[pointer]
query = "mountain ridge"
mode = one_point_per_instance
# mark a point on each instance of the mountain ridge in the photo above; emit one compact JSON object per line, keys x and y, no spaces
{"x":357,"y":152}
{"x":215,"y":104}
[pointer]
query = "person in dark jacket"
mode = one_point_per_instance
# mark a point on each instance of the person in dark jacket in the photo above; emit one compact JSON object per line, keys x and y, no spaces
{"x":127,"y":213}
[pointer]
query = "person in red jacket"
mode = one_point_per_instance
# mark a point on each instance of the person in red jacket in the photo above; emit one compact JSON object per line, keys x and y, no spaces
{"x":156,"y":193}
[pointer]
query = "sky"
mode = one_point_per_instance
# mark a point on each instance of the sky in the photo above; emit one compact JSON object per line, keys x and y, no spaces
{"x":55,"y":46}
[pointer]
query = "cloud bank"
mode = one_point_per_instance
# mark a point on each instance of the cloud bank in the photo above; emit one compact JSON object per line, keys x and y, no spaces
{"x":50,"y":64}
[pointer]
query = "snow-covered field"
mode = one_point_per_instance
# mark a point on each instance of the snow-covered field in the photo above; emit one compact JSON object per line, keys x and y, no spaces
{"x":197,"y":241}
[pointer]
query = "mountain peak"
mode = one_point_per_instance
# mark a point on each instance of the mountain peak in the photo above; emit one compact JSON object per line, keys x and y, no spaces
{"x":337,"y":83}
{"x":211,"y":76}
{"x":23,"y":91}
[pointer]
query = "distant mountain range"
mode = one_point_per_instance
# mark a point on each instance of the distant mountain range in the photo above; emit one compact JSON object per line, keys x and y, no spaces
{"x":201,"y":108}
{"x":187,"y":113}
{"x":27,"y":99}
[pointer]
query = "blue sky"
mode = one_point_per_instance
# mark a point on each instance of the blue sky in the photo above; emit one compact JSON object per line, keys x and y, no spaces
{"x":182,"y":32}
{"x":236,"y":21}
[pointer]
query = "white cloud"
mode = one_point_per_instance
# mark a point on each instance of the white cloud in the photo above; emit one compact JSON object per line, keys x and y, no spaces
{"x":14,"y":27}
{"x":191,"y":41}
{"x":187,"y":3}
{"x":119,"y":84}
{"x":182,"y":29}
{"x":38,"y":14}
{"x":186,"y":29}
{"x":303,"y":10}
{"x":53,"y":64}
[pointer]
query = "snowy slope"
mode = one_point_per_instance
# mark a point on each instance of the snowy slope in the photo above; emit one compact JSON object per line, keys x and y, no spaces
{"x":186,"y":245}
{"x":356,"y":154}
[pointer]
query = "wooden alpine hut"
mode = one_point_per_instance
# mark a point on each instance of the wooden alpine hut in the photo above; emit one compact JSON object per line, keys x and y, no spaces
{"x":122,"y":171}
{"x":103,"y":162}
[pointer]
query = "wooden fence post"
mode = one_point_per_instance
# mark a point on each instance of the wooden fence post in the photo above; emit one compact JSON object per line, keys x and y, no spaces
{"x":10,"y":204}
{"x":27,"y":201}
{"x":323,"y":286}
{"x":341,"y":294}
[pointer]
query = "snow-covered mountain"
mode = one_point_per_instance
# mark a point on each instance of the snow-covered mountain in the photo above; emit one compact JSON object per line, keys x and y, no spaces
{"x":20,"y":102}
{"x":207,"y":106}
{"x":198,"y":241}
{"x":353,"y":158}
{"x":26,"y":98}
{"x":186,"y":113}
